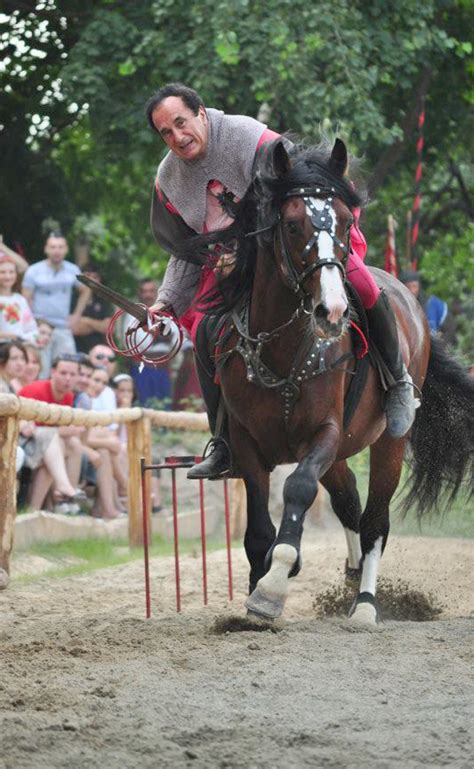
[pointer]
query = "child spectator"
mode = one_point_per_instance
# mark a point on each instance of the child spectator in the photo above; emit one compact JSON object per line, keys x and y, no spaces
{"x":16,"y":318}
{"x":43,"y":342}
{"x":111,"y":478}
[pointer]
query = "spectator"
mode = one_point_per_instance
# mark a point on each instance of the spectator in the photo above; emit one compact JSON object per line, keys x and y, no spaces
{"x":16,"y":318}
{"x":111,"y":476}
{"x":126,"y":397}
{"x":48,"y":286}
{"x":82,"y":399}
{"x":32,"y":369}
{"x":90,"y":329}
{"x":12,"y":365}
{"x":436,"y":310}
{"x":151,"y":382}
{"x":59,"y":390}
{"x":102,"y":356}
{"x":43,"y":342}
{"x":38,"y":444}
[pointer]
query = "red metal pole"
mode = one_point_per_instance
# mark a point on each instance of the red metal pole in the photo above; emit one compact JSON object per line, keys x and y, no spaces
{"x":145,"y":541}
{"x":227,"y":537}
{"x":176,"y":540}
{"x":203,"y":540}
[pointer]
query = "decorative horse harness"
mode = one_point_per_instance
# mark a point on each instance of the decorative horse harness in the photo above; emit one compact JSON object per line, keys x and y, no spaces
{"x":310,"y":359}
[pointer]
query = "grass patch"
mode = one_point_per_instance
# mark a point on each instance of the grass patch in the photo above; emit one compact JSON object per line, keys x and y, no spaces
{"x":81,"y":556}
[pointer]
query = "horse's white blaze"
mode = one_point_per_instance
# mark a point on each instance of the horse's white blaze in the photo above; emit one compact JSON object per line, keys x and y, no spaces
{"x":333,"y":296}
{"x":353,"y":548}
{"x":370,"y":568}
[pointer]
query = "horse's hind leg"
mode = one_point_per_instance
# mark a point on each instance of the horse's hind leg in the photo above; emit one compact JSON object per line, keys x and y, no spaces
{"x":341,"y":484}
{"x":386,"y":459}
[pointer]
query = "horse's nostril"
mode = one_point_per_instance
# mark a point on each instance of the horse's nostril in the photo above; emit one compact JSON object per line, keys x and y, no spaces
{"x":321,"y":311}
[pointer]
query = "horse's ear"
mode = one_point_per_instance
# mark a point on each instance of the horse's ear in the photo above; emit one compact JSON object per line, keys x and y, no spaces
{"x":338,"y":160}
{"x":280,"y":160}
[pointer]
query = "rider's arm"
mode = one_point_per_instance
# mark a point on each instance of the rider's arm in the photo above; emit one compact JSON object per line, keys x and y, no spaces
{"x":181,"y":278}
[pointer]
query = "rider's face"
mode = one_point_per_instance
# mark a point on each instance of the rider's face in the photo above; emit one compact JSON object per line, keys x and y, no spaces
{"x":185,"y":133}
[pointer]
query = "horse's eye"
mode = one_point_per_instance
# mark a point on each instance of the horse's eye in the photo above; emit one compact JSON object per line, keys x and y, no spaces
{"x":292,"y":228}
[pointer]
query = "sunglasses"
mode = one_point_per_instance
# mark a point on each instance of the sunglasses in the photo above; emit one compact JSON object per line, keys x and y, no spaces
{"x":103,"y":356}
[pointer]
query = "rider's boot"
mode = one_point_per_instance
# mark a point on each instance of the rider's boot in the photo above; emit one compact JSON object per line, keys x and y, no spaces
{"x":217,"y":463}
{"x":400,"y":404}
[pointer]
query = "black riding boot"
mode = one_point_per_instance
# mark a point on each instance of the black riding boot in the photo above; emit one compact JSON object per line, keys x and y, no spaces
{"x":400,"y":402}
{"x":217,"y":463}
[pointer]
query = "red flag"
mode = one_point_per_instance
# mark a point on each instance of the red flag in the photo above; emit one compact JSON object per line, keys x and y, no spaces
{"x":391,"y":264}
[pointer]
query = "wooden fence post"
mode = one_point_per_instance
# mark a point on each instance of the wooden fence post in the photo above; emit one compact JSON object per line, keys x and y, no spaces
{"x":139,"y":445}
{"x":8,"y":443}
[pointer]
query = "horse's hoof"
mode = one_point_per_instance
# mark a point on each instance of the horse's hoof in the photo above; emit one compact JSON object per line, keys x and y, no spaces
{"x":363,"y":611}
{"x":268,"y":598}
{"x":352,"y":576}
{"x":262,"y":607}
{"x":4,"y":579}
{"x":258,"y":619}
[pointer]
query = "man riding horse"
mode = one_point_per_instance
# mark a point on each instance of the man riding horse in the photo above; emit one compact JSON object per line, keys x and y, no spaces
{"x":208,"y":170}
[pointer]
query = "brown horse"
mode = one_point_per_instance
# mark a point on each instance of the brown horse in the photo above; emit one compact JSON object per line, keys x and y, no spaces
{"x":286,"y":362}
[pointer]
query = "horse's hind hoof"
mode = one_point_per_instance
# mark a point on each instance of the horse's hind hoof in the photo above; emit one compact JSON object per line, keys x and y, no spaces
{"x":262,"y":607}
{"x":352,"y":576}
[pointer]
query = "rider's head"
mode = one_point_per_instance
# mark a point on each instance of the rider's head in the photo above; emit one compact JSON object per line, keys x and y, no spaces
{"x":178,"y":114}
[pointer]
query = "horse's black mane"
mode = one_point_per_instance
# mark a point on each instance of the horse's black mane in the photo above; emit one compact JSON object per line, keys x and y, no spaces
{"x":259,"y":209}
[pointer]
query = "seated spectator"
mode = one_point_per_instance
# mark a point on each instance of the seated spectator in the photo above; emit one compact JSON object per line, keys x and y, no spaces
{"x":43,"y":343}
{"x":16,"y":318}
{"x":32,"y":369}
{"x":111,"y":476}
{"x":102,"y":356}
{"x":126,"y":397}
{"x":89,"y":330}
{"x":61,"y":468}
{"x":82,"y":399}
{"x":48,"y":287}
{"x":12,"y":366}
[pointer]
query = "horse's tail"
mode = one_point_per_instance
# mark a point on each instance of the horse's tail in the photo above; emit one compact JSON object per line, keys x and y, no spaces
{"x":442,"y":436}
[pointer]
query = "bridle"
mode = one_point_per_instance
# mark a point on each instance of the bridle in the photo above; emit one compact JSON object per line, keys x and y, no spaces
{"x":310,"y":358}
{"x":322,"y":221}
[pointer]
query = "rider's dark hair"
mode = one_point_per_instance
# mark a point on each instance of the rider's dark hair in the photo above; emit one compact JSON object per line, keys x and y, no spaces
{"x":190,"y":97}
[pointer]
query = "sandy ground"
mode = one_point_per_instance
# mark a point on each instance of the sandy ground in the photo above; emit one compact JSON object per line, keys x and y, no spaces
{"x":87,"y":682}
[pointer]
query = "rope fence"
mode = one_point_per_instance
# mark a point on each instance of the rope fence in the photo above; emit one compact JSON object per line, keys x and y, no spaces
{"x":140,"y":422}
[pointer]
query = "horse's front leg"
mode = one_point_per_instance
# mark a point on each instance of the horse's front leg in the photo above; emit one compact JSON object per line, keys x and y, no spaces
{"x":283,"y":559}
{"x":260,"y":531}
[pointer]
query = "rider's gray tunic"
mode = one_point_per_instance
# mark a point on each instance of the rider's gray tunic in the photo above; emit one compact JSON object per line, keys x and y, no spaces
{"x":230,"y":155}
